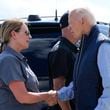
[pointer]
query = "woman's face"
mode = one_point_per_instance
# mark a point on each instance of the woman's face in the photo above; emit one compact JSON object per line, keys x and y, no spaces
{"x":23,"y":37}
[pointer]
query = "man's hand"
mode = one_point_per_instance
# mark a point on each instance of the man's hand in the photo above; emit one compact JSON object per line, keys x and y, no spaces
{"x":52,"y":98}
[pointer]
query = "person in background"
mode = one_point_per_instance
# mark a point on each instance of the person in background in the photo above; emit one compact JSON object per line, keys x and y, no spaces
{"x":91,"y":79}
{"x":18,"y":84}
{"x":61,"y":61}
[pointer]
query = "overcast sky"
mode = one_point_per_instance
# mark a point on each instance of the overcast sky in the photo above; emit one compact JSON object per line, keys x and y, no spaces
{"x":22,"y":8}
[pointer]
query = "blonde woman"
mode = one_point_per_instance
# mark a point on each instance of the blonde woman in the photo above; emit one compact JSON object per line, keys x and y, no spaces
{"x":18,"y":84}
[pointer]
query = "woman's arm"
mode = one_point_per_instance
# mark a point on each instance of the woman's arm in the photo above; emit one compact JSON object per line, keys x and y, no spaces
{"x":25,"y":97}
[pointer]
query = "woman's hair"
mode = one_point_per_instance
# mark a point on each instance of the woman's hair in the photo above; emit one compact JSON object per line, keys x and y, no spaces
{"x":6,"y":28}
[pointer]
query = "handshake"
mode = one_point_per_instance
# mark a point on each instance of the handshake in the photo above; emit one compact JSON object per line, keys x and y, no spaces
{"x":52,"y":98}
{"x":63,"y":94}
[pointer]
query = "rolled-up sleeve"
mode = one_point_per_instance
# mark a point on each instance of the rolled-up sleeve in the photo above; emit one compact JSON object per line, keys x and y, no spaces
{"x":66,"y":93}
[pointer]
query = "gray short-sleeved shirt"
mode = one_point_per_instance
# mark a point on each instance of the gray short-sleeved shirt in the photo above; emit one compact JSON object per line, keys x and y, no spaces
{"x":13,"y":66}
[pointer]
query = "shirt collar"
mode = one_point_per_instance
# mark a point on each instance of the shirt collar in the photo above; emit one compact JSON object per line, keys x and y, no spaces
{"x":17,"y":54}
{"x":69,"y":44}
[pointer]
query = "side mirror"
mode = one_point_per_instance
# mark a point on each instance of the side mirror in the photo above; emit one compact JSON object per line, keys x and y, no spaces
{"x":33,"y":18}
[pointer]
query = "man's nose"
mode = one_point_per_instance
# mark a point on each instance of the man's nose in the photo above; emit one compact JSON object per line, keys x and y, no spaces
{"x":30,"y":37}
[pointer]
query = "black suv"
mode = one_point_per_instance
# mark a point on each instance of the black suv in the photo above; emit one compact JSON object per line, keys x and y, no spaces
{"x":44,"y":35}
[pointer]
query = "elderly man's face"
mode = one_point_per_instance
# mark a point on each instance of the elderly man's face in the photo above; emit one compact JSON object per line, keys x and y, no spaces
{"x":75,"y":26}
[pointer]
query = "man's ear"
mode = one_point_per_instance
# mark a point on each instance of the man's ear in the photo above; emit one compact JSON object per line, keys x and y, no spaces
{"x":83,"y":20}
